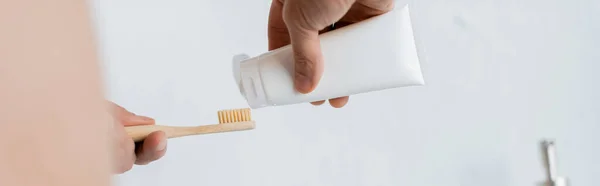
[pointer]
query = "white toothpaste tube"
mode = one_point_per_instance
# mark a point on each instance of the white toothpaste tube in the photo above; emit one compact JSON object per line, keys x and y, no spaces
{"x":372,"y":55}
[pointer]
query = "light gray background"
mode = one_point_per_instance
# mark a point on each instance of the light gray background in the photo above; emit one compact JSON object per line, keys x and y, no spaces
{"x":500,"y":74}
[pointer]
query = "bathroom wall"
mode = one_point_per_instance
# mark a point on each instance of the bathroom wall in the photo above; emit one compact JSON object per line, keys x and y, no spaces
{"x":501,"y":75}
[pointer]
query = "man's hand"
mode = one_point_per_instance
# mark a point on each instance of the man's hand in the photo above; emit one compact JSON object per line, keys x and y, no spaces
{"x":299,"y":22}
{"x":127,"y":153}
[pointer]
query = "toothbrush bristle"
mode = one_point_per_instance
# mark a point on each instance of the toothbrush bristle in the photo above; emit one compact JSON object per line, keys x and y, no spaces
{"x":234,"y":115}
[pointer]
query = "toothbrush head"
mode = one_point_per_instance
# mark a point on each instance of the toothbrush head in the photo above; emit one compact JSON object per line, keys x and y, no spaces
{"x":234,"y":115}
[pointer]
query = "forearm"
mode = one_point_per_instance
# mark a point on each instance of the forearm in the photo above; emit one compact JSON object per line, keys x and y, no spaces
{"x":53,"y":123}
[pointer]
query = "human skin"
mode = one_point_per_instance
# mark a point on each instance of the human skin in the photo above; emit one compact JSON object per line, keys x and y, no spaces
{"x":299,"y":22}
{"x":50,"y":99}
{"x":54,"y":127}
{"x":303,"y":20}
{"x":290,"y":21}
{"x":127,"y":153}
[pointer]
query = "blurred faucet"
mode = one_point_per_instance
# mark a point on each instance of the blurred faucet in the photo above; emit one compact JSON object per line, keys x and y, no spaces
{"x":549,"y":155}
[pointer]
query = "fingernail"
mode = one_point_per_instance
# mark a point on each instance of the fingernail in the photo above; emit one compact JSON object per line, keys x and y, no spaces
{"x":161,"y":145}
{"x":303,"y":83}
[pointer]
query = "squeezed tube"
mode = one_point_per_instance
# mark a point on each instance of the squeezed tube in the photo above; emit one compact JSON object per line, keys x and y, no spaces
{"x":375,"y":54}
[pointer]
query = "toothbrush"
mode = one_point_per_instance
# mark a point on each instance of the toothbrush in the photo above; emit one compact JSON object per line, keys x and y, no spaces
{"x":229,"y":120}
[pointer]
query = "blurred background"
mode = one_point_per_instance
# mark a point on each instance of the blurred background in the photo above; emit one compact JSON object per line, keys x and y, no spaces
{"x":500,"y":76}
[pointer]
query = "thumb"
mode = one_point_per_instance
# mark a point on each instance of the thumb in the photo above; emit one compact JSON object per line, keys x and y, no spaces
{"x":308,"y":62}
{"x":304,"y":38}
{"x":303,"y":20}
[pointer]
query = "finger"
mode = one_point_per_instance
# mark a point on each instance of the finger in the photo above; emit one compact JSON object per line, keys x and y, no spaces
{"x":124,"y":155}
{"x":118,"y":111}
{"x":364,"y":9}
{"x":125,"y":161}
{"x":308,"y":62}
{"x":133,"y":120}
{"x":339,"y":102}
{"x":317,"y":103}
{"x":128,"y":158}
{"x":153,"y":148}
{"x":304,"y":19}
{"x":277,"y":31}
{"x":308,"y":65}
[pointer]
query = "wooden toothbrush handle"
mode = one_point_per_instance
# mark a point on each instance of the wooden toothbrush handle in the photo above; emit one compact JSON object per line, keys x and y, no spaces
{"x":140,"y":132}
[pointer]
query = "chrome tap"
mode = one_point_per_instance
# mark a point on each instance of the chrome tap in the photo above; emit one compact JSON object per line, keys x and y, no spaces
{"x":549,"y":154}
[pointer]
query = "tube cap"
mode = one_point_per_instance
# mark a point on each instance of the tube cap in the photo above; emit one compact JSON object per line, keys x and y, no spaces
{"x":246,"y":72}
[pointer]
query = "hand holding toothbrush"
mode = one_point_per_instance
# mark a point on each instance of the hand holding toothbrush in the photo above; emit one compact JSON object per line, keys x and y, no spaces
{"x":126,"y":152}
{"x":299,"y":22}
